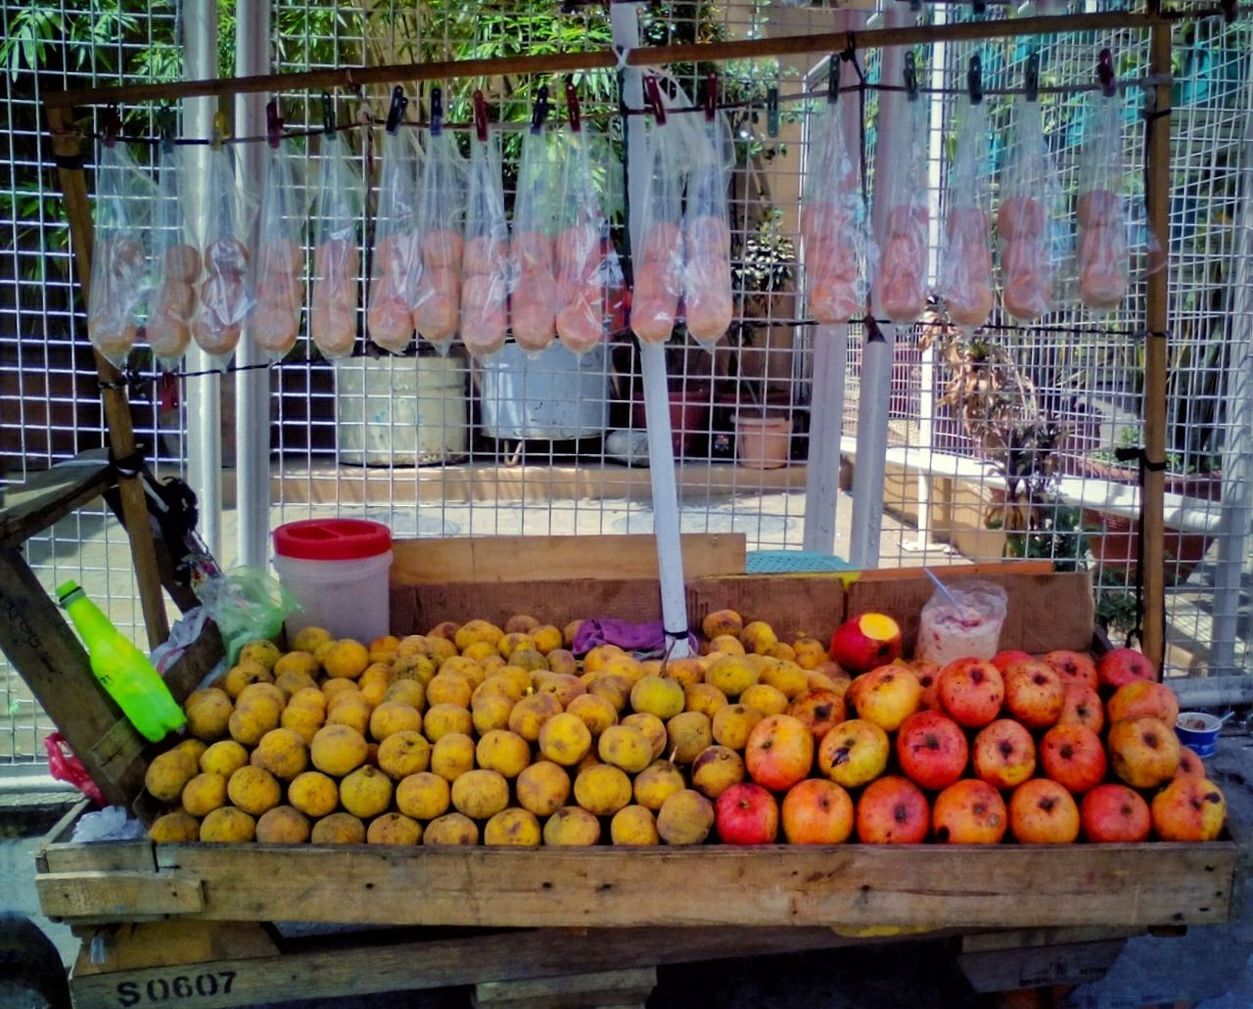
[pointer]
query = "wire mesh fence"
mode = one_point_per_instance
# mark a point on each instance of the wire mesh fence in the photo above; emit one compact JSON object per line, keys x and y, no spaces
{"x":447,"y":446}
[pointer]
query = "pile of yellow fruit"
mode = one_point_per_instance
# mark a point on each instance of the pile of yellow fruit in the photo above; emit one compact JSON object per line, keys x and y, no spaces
{"x":475,"y":733}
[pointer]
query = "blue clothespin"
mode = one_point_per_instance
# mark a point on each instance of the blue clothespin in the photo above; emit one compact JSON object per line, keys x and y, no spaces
{"x":396,"y":110}
{"x":539,"y":111}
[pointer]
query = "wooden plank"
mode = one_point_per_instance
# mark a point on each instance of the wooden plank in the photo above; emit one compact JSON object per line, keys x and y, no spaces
{"x":60,"y":831}
{"x":49,"y":658}
{"x":556,"y":558}
{"x":1020,"y":938}
{"x":175,"y":943}
{"x":547,"y":601}
{"x":112,"y":894}
{"x":114,"y":856}
{"x":50,"y":495}
{"x":1039,"y":966}
{"x":570,"y":991}
{"x":195,"y":663}
{"x":926,"y":886}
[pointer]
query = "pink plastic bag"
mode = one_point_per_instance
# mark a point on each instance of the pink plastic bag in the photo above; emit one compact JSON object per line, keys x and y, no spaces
{"x":441,"y":199}
{"x":63,"y":765}
{"x":966,"y":261}
{"x":224,"y":301}
{"x":900,"y":282}
{"x":176,"y":266}
{"x":532,"y":247}
{"x":1103,"y":253}
{"x":278,"y":287}
{"x":336,"y":260}
{"x":395,"y":266}
{"x":1024,"y":220}
{"x":485,"y":265}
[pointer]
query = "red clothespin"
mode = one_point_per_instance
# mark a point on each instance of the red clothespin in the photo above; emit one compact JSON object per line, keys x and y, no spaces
{"x":273,"y":123}
{"x":711,"y":95}
{"x":1105,"y":73}
{"x":572,"y":107}
{"x":652,"y":93}
{"x":111,"y":123}
{"x":480,"y":116}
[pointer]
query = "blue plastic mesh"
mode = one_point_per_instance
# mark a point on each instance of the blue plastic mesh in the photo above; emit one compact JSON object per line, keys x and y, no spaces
{"x":773,"y":562}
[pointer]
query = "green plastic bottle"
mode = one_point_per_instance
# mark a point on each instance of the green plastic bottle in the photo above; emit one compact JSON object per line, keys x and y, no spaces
{"x":122,"y":669}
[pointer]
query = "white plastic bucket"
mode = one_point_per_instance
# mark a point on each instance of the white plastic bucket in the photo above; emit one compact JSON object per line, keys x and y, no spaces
{"x":551,"y":396}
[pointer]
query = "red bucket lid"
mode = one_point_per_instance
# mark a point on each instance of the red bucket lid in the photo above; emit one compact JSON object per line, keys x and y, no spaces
{"x":332,"y":539}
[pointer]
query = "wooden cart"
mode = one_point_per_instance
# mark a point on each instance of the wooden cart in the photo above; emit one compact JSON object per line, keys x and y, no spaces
{"x":179,"y":923}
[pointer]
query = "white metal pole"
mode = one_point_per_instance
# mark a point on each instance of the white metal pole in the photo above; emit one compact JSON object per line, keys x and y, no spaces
{"x":252,"y":387}
{"x":876,"y":362}
{"x":204,"y":414}
{"x":626,"y":36}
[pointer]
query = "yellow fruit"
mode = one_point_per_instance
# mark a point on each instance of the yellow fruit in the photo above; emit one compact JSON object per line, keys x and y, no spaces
{"x":480,"y":794}
{"x":443,"y":719}
{"x":521,"y":623}
{"x":489,"y":711}
{"x":732,"y":674}
{"x":409,"y":692}
{"x":476,"y":630}
{"x":497,"y":685}
{"x":291,"y":682}
{"x":366,"y":792}
{"x":423,"y":796}
{"x":451,"y":829}
{"x":625,"y":747}
{"x":571,"y":826}
{"x":513,"y":642}
{"x":480,"y":650}
{"x":634,"y":826}
{"x":594,"y":712}
{"x":655,"y":695}
{"x":563,"y":686}
{"x":338,"y":828}
{"x":656,"y":783}
{"x":490,"y":664}
{"x":449,"y":688}
{"x":468,"y":669}
{"x":715,"y":769}
{"x":264,"y":653}
{"x":338,"y":750}
{"x":282,"y":825}
{"x":446,"y":630}
{"x":786,"y":677}
{"x":419,"y":668}
{"x":783,"y":652}
{"x":542,"y":788}
{"x":519,"y":680}
{"x":570,"y":632}
{"x":595,"y":660}
{"x":311,"y":698}
{"x":452,"y":755}
{"x":298,"y":662}
{"x":502,"y":751}
{"x":194,"y":748}
{"x":561,"y":661}
{"x":611,"y":687}
{"x":412,"y":644}
{"x":765,"y":698}
{"x":722,"y":622}
{"x":726,"y":645}
{"x":391,"y":717}
{"x":224,"y":758}
{"x":313,"y":793}
{"x":393,"y":828}
{"x":304,"y":720}
{"x":282,"y":752}
{"x":322,"y":651}
{"x":628,"y":668}
{"x":602,"y":789}
{"x":654,"y":730}
{"x":564,"y":739}
{"x":810,"y":653}
{"x":307,"y":639}
{"x":383,"y":648}
{"x":704,"y":698}
{"x":208,"y":712}
{"x":404,"y":753}
{"x":516,"y":828}
{"x":334,"y":690}
{"x":204,"y":793}
{"x":529,"y":715}
{"x":350,"y":709}
{"x":685,"y":818}
{"x":758,"y":637}
{"x":528,"y":659}
{"x":262,"y":692}
{"x":440,"y":649}
{"x":227,"y":825}
{"x":732,"y":725}
{"x":174,"y":828}
{"x":244,"y":673}
{"x":345,"y":659}
{"x":254,"y":790}
{"x":687,"y":671}
{"x":546,"y":639}
{"x":689,"y":733}
{"x":169,"y":773}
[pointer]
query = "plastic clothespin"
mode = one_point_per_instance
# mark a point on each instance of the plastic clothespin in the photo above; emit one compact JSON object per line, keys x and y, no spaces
{"x":974,"y":79}
{"x":396,"y":110}
{"x":711,"y":96}
{"x":1105,"y":73}
{"x":652,"y":92}
{"x":219,"y":129}
{"x":911,"y":76}
{"x":1031,"y":78}
{"x":539,"y":112}
{"x":772,"y":111}
{"x":480,"y":116}
{"x":572,"y":106}
{"x":833,"y":79}
{"x":437,"y":111}
{"x":979,"y":7}
{"x":273,"y":123}
{"x":328,"y":116}
{"x":111,"y":123}
{"x":167,"y":119}
{"x":1229,"y":10}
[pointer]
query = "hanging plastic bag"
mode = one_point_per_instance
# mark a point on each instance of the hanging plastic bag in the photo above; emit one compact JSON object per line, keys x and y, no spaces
{"x":119,"y":267}
{"x":533,"y":244}
{"x":176,"y":265}
{"x":396,"y":267}
{"x":436,"y":313}
{"x":279,"y":283}
{"x":333,"y":314}
{"x":485,"y":266}
{"x":708,"y":303}
{"x":223,"y":305}
{"x":966,"y":262}
{"x":1102,"y":256}
{"x":900,"y":282}
{"x":1024,"y":218}
{"x":247,"y":604}
{"x":833,"y":225}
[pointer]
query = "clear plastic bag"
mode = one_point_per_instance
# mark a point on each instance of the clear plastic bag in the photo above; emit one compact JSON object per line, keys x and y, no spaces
{"x":586,"y":260}
{"x":336,"y":260}
{"x":1024,"y":218}
{"x":657,"y":242}
{"x":395,"y":266}
{"x":279,"y":280}
{"x":1103,"y":252}
{"x":436,"y":313}
{"x":708,"y":302}
{"x":246,"y":604}
{"x":833,"y":225}
{"x":900,"y":282}
{"x":485,"y":264}
{"x":966,"y":286}
{"x":224,"y":297}
{"x":532,"y":247}
{"x":119,"y":265}
{"x":176,"y":265}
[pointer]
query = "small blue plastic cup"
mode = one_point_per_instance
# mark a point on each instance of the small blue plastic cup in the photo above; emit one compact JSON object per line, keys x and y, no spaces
{"x":1198,"y":730}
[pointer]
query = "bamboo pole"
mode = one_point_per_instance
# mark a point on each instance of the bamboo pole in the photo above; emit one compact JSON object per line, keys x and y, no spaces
{"x":1152,"y":506}
{"x":67,"y":145}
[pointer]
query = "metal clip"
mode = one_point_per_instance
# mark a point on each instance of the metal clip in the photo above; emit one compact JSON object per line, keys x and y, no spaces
{"x":480,"y":116}
{"x":652,"y":93}
{"x":437,"y":111}
{"x":974,"y":79}
{"x":572,"y":107}
{"x":1105,"y":73}
{"x":111,"y":123}
{"x":328,"y":115}
{"x":772,"y":111}
{"x":1031,"y":78}
{"x":273,"y":123}
{"x":396,"y":110}
{"x":911,"y":75}
{"x":711,"y":96}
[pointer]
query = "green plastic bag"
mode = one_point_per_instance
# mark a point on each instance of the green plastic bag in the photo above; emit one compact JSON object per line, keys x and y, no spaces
{"x":246,"y":604}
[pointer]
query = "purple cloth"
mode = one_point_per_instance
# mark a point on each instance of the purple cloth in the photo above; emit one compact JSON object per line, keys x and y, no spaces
{"x":648,"y":637}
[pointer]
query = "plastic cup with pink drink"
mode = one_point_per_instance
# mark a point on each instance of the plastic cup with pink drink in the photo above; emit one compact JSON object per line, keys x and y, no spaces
{"x":962,"y":621}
